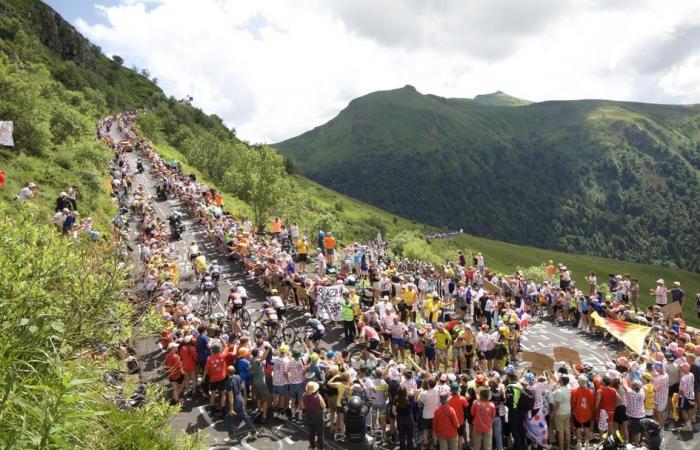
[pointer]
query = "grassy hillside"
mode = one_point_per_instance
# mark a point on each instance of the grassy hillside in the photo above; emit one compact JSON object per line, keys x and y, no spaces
{"x":55,"y":86}
{"x":614,"y":179}
{"x":500,"y":98}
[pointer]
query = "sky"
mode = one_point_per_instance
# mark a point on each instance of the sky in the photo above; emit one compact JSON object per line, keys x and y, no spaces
{"x":274,"y":69}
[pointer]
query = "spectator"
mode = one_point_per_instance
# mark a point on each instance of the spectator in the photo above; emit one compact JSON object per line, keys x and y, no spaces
{"x":483,"y":412}
{"x":445,"y":425}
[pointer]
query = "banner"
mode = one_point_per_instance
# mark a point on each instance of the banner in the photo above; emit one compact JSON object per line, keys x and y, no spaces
{"x":566,"y":354}
{"x":6,"y":128}
{"x":328,"y":299}
{"x":631,"y":334}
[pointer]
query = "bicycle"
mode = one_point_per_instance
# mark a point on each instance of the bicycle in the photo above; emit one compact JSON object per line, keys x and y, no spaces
{"x":206,"y":305}
{"x":242,"y":316}
{"x":268,"y":332}
{"x":363,"y":355}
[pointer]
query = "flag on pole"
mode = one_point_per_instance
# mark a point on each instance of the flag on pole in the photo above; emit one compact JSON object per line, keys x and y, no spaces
{"x":631,"y":334}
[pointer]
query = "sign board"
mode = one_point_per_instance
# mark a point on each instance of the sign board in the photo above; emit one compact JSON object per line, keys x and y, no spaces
{"x":671,"y":310}
{"x":6,"y":129}
{"x":566,"y":354}
{"x":328,"y":299}
{"x":539,"y":362}
{"x":490,"y":287}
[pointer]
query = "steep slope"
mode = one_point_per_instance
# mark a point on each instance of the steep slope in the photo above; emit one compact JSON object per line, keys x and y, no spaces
{"x":615,"y":179}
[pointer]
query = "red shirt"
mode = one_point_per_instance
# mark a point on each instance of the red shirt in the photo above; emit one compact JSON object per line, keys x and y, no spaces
{"x":216,"y":367}
{"x":188,"y":353}
{"x":445,"y":422}
{"x":483,"y":414}
{"x":582,"y":404}
{"x":608,"y":397}
{"x":174,"y":365}
{"x":458,"y":403}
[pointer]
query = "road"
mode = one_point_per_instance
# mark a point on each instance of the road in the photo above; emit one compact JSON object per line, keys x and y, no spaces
{"x":539,"y":337}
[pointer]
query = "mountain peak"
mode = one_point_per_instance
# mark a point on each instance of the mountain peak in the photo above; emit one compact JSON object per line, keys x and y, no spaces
{"x":500,"y":98}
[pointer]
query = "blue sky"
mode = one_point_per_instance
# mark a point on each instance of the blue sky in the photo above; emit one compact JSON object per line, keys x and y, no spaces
{"x":73,"y":9}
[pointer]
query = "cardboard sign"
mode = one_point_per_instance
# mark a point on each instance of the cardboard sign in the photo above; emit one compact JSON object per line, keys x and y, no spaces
{"x":328,"y":299}
{"x":539,"y":362}
{"x":566,"y":354}
{"x":6,"y":129}
{"x":671,"y":310}
{"x":490,"y":287}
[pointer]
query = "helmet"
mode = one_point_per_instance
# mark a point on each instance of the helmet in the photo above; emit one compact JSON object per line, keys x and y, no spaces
{"x":355,"y":404}
{"x":330,"y":354}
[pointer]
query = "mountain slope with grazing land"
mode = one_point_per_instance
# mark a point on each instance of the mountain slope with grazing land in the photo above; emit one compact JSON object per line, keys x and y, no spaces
{"x":613,"y":179}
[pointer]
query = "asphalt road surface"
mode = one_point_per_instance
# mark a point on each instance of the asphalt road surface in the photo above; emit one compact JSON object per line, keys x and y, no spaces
{"x":277,"y":434}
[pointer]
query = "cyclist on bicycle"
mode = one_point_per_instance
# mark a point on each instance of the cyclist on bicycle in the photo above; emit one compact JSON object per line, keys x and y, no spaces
{"x":215,"y":272}
{"x":313,"y":329}
{"x":207,"y":284}
{"x":276,"y":302}
{"x":193,"y":250}
{"x":235,"y":300}
{"x":240,"y":290}
{"x":272,"y":321}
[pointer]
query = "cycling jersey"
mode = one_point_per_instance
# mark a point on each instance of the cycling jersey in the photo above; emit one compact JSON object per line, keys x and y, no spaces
{"x":276,"y":301}
{"x":208,"y":284}
{"x":271,"y":313}
{"x":315,"y":325}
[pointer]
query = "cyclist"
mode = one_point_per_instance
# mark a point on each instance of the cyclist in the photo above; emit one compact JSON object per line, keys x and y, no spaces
{"x":271,"y":319}
{"x":240,"y":290}
{"x":369,"y":335}
{"x":313,"y":329}
{"x":193,"y":250}
{"x":215,"y":272}
{"x":200,"y":264}
{"x":235,"y":300}
{"x":276,"y":302}
{"x":207,"y":285}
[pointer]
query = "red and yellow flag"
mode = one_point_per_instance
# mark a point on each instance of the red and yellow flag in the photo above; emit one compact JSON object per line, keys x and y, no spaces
{"x":631,"y":334}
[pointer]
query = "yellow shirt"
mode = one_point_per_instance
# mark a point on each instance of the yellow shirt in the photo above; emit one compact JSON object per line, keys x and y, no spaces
{"x":432,"y":310}
{"x":648,"y":396}
{"x":302,"y":247}
{"x":442,"y":339}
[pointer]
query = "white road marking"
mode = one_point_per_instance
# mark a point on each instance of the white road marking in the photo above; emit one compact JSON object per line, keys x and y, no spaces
{"x":205,"y":415}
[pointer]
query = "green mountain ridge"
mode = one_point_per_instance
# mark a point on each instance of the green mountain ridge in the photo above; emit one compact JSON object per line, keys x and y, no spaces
{"x":599,"y":177}
{"x":500,"y":98}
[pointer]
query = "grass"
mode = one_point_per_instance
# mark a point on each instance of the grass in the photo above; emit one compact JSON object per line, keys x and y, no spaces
{"x":506,"y":258}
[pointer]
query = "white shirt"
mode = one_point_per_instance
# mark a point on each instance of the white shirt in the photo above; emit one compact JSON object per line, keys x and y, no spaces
{"x":430,"y":400}
{"x":661,"y":295}
{"x":24,"y":194}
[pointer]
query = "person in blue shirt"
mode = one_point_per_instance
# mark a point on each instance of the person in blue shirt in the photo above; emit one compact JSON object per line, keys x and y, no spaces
{"x":236,"y":404}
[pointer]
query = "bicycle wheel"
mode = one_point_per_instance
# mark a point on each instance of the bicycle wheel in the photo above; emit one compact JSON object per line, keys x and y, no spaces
{"x":259,"y":333}
{"x":289,"y":335}
{"x":275,"y":341}
{"x":243,"y":318}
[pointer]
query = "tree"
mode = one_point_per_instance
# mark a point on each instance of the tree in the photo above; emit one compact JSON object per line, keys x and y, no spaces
{"x":258,"y":178}
{"x":118,"y":60}
{"x":146,"y":73}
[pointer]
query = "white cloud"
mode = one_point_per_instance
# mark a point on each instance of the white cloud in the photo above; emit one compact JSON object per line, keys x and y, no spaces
{"x":277,"y":68}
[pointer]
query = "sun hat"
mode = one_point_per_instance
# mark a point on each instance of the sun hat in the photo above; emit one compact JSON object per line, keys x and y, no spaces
{"x":172,"y":345}
{"x":311,"y":387}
